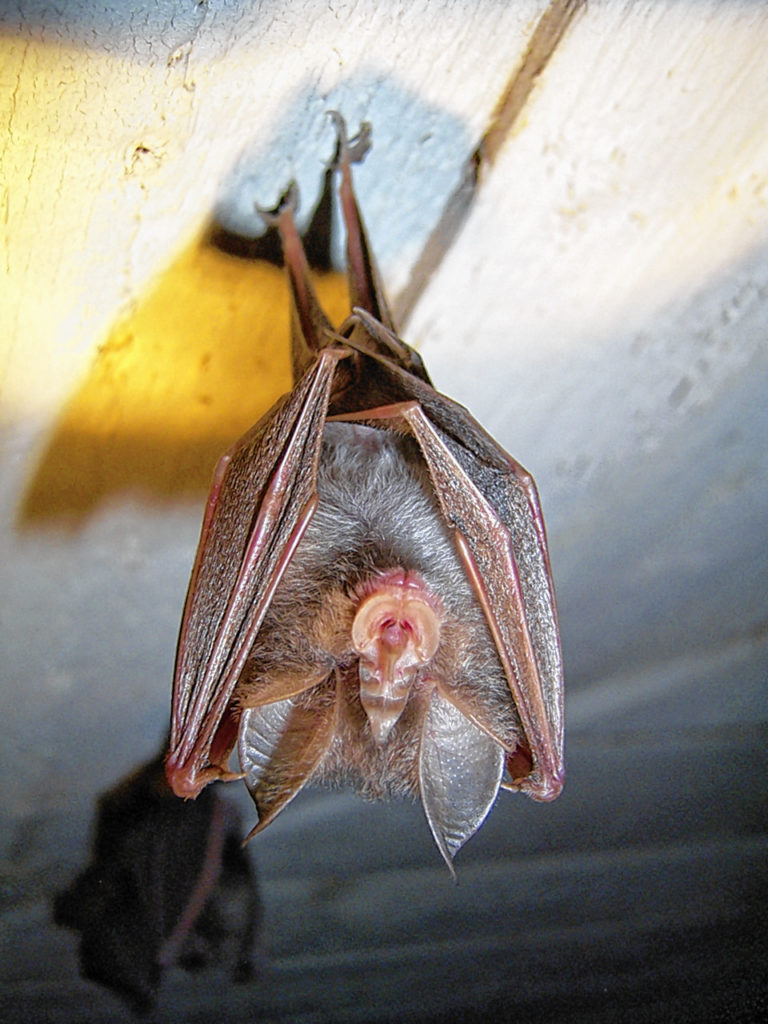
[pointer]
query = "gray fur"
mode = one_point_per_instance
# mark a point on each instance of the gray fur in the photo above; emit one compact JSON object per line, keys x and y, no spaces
{"x":377,"y":510}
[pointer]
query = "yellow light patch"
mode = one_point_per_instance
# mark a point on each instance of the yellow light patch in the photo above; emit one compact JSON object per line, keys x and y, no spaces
{"x":199,"y":360}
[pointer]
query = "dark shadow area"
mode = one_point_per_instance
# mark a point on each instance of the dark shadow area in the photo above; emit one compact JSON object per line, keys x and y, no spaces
{"x":168,"y":883}
{"x":316,"y":239}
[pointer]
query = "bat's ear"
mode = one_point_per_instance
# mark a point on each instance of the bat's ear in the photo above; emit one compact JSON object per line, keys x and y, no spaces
{"x":310,"y":327}
{"x":460,"y":770}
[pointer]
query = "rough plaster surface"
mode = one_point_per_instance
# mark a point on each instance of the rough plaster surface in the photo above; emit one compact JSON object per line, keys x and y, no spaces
{"x":129,"y":127}
{"x":603,"y":312}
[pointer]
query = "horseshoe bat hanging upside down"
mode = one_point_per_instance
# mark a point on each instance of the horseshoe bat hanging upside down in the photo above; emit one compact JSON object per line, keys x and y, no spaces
{"x":371,"y":602}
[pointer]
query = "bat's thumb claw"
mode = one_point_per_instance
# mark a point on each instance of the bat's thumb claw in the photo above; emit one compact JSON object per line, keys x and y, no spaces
{"x":187,"y":782}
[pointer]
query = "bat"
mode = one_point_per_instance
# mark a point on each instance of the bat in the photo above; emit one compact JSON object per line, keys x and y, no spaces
{"x":168,"y":882}
{"x":371,"y":603}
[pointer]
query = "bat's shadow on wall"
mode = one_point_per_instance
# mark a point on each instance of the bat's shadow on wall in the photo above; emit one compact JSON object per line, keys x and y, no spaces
{"x":168,"y":882}
{"x":205,"y":351}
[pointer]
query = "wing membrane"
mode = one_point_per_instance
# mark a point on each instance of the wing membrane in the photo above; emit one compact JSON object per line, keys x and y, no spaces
{"x":263,"y":498}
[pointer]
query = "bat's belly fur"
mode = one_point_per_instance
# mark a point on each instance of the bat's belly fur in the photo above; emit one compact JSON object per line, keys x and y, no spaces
{"x":376,"y":512}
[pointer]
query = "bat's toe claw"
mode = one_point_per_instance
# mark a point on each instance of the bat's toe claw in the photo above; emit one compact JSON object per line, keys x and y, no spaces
{"x":350,"y":150}
{"x":288,"y":203}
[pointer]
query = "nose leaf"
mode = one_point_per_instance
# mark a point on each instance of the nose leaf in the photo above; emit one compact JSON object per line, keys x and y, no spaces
{"x":395,"y":633}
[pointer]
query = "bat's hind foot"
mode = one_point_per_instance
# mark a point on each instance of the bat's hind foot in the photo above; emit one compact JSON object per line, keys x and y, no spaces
{"x":288,"y":202}
{"x":348,"y":150}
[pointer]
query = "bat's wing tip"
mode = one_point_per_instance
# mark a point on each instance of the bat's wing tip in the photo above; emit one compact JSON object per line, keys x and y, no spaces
{"x":548,"y":788}
{"x":184,"y":786}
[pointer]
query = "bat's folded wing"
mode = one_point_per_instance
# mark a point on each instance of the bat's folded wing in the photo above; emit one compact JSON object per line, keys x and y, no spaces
{"x":492,"y":506}
{"x":263,"y":496}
